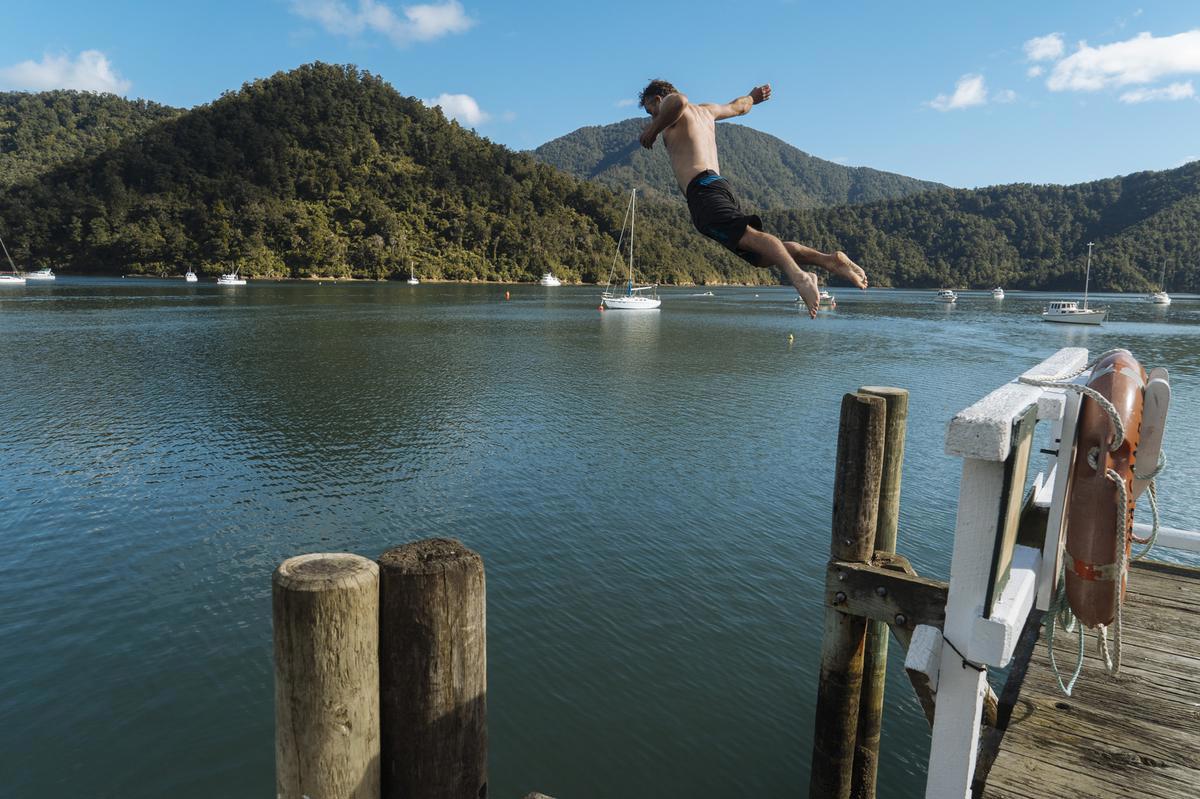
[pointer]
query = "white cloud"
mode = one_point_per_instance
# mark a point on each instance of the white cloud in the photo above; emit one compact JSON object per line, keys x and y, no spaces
{"x":1034,"y":72}
{"x":420,"y":23}
{"x":1142,"y":59}
{"x":1176,"y":91}
{"x":1044,"y":48}
{"x":461,"y":107}
{"x":1005,"y":96}
{"x":628,"y":101}
{"x":89,"y":71}
{"x":968,"y":91}
{"x":1187,"y":159}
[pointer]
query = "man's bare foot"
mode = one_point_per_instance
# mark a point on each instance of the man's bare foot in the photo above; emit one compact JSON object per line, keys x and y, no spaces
{"x":806,"y":285}
{"x":848,"y":269}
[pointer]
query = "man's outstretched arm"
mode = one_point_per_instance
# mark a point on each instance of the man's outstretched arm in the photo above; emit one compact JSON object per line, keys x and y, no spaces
{"x":669,"y":112}
{"x":742,"y":105}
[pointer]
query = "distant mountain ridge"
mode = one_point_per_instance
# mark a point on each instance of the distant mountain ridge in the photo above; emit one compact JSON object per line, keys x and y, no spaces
{"x":766,"y":172}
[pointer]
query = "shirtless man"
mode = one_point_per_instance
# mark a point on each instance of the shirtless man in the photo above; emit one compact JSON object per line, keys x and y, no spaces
{"x":690,"y":135}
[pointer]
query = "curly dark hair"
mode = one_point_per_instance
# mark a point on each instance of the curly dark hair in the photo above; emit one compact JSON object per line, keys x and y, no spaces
{"x":655,"y":88}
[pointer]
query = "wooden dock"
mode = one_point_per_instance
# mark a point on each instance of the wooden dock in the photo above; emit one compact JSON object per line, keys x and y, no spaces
{"x":1133,"y":735}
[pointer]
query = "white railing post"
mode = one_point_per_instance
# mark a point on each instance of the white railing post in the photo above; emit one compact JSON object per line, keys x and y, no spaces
{"x":982,"y":436}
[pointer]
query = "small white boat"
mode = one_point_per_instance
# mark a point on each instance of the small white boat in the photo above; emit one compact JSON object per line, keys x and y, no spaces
{"x":998,"y":293}
{"x":632,"y":299}
{"x":40,"y":274}
{"x":412,"y":278}
{"x":190,"y":277}
{"x":1069,"y":311}
{"x":231,"y":279}
{"x":548,"y":279}
{"x":946,"y":295}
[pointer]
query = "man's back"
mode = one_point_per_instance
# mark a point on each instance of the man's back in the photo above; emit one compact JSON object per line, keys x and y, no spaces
{"x":692,"y":144}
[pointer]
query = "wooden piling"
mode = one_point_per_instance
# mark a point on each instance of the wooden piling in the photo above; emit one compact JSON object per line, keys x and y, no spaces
{"x":433,"y":672}
{"x":855,"y":516}
{"x":870,"y":709}
{"x":325,"y":614}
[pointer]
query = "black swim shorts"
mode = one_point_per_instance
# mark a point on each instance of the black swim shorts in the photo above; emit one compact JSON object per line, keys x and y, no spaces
{"x":716,"y":214}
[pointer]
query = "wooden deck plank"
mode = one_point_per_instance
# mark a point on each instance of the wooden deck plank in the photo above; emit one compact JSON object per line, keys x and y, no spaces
{"x":1135,"y":734}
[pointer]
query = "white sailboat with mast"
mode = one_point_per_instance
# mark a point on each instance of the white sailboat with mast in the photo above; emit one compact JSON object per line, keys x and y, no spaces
{"x":1161,"y":297}
{"x":632,"y":299}
{"x":1068,"y":311}
{"x":13,"y":278}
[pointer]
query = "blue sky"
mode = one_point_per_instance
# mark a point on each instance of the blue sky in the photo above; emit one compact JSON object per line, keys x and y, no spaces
{"x":965,"y":93}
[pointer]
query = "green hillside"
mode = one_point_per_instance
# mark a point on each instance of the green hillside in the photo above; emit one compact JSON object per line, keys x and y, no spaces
{"x":41,"y":131}
{"x":767,"y":173}
{"x":326,"y":170}
{"x":1024,"y":236}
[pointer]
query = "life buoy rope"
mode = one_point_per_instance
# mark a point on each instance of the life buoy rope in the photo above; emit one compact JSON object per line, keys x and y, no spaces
{"x":1060,"y":613}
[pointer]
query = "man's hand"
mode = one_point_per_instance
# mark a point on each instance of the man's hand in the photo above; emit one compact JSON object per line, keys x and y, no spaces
{"x":760,"y":94}
{"x":648,"y":136}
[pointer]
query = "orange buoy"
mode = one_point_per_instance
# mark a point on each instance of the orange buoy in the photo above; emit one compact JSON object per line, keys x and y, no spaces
{"x":1095,"y":526}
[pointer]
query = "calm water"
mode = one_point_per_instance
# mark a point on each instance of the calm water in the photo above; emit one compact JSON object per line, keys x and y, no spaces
{"x":650,"y":492}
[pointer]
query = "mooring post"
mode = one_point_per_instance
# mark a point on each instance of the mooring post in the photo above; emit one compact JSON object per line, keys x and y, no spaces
{"x":855,"y":515}
{"x":870,"y":709}
{"x":325,"y":614}
{"x":433,"y":672}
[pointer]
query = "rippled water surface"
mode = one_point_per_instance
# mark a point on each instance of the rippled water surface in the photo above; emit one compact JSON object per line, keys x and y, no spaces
{"x":650,"y":493}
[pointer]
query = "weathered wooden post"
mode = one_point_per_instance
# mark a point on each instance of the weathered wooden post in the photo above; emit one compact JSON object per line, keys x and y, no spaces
{"x":325,"y":613}
{"x":855,"y":515}
{"x":433,"y":671}
{"x":870,"y":712}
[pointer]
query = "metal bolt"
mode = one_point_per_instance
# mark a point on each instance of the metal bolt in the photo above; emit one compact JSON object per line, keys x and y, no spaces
{"x":839,"y":598}
{"x":901,"y":620}
{"x":881,"y":591}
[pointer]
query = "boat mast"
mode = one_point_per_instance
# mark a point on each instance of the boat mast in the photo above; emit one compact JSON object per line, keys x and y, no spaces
{"x":632,"y":218}
{"x":1087,"y":277}
{"x":9,"y":257}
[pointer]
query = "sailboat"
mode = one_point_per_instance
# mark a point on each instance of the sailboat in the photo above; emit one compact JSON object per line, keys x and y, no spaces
{"x":412,"y":278}
{"x":631,"y":299}
{"x":1069,"y":311}
{"x":13,"y":278}
{"x":998,"y":292}
{"x":1161,"y":297}
{"x":41,"y":274}
{"x":190,"y":276}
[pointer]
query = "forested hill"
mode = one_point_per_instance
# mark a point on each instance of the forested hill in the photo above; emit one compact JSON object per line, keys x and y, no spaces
{"x":767,"y":173}
{"x":41,"y":131}
{"x":326,"y":170}
{"x":1023,"y":236}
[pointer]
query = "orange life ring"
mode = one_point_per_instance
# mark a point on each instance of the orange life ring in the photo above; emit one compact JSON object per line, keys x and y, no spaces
{"x":1094,"y":530}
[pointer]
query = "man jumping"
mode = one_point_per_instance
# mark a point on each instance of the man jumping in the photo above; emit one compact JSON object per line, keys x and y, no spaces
{"x":690,"y":135}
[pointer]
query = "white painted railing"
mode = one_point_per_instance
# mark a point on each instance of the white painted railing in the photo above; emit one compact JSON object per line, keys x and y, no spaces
{"x":954,"y":659}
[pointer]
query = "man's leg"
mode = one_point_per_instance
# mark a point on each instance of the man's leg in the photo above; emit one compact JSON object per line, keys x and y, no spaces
{"x":770,"y":250}
{"x":838,"y":262}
